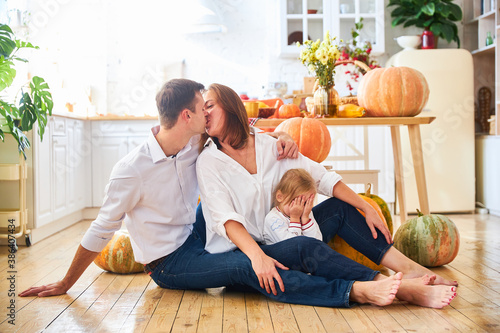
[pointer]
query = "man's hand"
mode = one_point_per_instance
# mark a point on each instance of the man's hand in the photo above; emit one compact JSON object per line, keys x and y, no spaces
{"x":53,"y":289}
{"x":83,"y":258}
{"x":287,"y":148}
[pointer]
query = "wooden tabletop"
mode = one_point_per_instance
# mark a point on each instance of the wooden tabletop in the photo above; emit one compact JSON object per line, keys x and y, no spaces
{"x":356,"y":121}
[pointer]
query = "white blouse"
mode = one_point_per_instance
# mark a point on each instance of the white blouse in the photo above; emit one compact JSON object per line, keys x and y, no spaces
{"x":278,"y":227}
{"x":230,"y":192}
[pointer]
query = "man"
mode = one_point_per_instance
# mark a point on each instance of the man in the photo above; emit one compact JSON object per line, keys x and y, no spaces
{"x":154,"y":190}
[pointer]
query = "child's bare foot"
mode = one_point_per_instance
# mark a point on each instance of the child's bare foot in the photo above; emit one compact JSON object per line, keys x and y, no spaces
{"x":381,"y":292}
{"x":421,"y":291}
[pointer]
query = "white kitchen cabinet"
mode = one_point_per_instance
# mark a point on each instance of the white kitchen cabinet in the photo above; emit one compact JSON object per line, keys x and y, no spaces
{"x":112,"y":140}
{"x":310,"y":19}
{"x":59,"y":170}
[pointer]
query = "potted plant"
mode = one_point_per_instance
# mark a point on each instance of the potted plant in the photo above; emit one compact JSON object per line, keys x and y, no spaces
{"x":32,"y":104}
{"x":435,"y":16}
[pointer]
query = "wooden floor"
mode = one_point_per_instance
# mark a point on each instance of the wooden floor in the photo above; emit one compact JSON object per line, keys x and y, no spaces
{"x":104,"y":302}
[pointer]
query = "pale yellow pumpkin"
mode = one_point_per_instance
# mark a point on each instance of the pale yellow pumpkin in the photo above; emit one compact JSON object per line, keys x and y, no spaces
{"x":118,"y":256}
{"x":393,"y":92}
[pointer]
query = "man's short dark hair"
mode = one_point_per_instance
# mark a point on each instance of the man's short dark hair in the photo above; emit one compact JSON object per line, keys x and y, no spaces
{"x":175,"y":96}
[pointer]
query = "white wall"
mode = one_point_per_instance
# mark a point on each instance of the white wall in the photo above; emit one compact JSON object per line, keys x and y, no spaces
{"x":125,"y":49}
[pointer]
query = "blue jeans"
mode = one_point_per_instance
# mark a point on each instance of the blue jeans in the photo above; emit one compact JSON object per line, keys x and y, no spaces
{"x":330,"y":277}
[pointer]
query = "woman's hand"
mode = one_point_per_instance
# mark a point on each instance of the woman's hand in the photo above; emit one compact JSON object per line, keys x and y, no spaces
{"x":265,"y":269}
{"x":374,"y":222}
{"x":263,"y":265}
{"x":297,"y":208}
{"x":308,"y":206}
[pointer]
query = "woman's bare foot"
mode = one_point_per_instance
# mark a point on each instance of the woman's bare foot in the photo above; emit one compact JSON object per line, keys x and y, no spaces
{"x":380,"y":292}
{"x":421,"y":291}
{"x":398,"y":262}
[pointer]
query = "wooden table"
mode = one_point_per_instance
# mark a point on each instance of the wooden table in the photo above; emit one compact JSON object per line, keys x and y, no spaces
{"x":395,"y":123}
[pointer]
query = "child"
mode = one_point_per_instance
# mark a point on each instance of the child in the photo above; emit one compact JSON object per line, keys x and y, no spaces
{"x":292,"y":215}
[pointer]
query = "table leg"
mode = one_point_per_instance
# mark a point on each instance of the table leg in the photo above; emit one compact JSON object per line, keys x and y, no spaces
{"x":418,"y":166}
{"x":398,"y":170}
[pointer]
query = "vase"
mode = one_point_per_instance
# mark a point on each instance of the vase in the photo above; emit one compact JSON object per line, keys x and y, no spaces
{"x":428,"y":40}
{"x":326,"y":102}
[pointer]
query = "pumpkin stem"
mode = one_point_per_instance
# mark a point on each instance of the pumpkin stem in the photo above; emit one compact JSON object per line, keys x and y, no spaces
{"x":419,"y":213}
{"x":368,"y":190}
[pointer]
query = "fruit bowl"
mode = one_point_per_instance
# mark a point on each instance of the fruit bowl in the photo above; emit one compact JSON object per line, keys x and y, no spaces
{"x":266,"y":112}
{"x":408,"y":42}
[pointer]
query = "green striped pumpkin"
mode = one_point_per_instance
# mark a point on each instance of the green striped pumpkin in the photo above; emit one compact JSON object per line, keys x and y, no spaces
{"x":431,"y":240}
{"x":118,"y":256}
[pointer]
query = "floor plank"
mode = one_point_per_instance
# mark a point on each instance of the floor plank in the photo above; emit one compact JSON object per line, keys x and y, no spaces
{"x":106,"y":302}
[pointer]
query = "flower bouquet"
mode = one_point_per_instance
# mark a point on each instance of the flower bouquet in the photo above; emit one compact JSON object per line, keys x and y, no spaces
{"x":319,"y":57}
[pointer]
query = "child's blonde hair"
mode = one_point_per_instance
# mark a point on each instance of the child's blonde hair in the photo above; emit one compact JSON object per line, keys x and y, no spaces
{"x":293,"y":183}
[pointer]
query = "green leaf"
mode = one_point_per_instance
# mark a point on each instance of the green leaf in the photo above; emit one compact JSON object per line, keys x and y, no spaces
{"x":436,"y":29}
{"x":398,"y":12}
{"x":455,"y":12}
{"x":7,"y":43}
{"x":394,"y":3}
{"x":410,"y":22}
{"x":7,"y":73}
{"x":22,"y":44}
{"x":20,"y":59}
{"x":443,"y":9}
{"x":429,"y":9}
{"x":22,"y":141}
{"x":447,"y":32}
{"x":398,"y":21}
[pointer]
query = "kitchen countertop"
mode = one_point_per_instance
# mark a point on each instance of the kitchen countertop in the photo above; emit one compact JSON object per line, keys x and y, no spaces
{"x":104,"y":117}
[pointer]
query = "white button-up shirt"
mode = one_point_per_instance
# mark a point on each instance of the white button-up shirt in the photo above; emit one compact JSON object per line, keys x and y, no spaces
{"x":229,"y":192}
{"x":155,"y":195}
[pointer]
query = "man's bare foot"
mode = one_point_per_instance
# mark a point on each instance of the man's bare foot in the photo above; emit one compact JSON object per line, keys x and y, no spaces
{"x":437,"y":280}
{"x":381,"y":292}
{"x":421,"y":291}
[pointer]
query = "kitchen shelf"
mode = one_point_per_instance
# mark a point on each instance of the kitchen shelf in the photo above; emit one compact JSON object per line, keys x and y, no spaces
{"x":486,"y":58}
{"x":490,"y":49}
{"x":294,"y":19}
{"x":18,"y":173}
{"x":491,"y":13}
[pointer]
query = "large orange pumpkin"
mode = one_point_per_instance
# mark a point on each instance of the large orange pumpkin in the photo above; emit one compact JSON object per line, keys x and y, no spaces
{"x":393,"y":92}
{"x":117,"y":256}
{"x":431,"y":240}
{"x":311,"y":135}
{"x":289,"y":111}
{"x":340,"y":245}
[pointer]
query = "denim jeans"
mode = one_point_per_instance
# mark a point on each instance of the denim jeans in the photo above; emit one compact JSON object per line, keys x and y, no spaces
{"x":330,"y":277}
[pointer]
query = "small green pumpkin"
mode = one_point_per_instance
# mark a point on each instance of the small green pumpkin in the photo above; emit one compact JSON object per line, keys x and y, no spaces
{"x":431,"y":240}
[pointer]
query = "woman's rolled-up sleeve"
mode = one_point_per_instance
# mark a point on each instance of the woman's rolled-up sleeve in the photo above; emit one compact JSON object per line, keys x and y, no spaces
{"x":216,"y":200}
{"x":325,"y":180}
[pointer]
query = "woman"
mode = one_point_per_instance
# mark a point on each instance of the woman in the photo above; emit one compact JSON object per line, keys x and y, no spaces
{"x":236,"y":174}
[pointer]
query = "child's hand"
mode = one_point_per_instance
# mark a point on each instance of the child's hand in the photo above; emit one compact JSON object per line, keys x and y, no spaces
{"x":297,"y":208}
{"x":308,"y":205}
